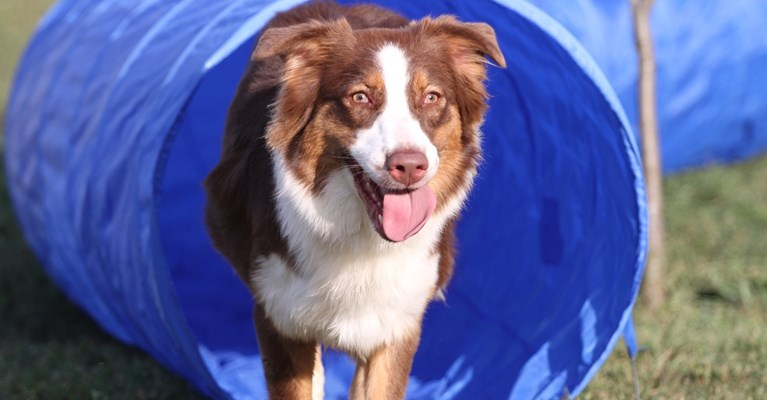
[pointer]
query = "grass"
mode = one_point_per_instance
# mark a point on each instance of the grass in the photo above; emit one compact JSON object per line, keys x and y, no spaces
{"x":708,"y":342}
{"x":17,"y":20}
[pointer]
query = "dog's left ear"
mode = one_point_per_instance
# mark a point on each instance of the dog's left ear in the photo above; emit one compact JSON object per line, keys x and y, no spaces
{"x":471,"y":41}
{"x":487,"y":41}
{"x":468,"y":46}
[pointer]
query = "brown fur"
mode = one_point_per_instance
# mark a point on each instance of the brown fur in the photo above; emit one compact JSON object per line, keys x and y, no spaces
{"x":288,"y":364}
{"x":384,"y":375}
{"x":301,"y":65}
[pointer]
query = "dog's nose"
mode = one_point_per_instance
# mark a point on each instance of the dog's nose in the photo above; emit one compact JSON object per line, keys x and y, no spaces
{"x":407,"y":167}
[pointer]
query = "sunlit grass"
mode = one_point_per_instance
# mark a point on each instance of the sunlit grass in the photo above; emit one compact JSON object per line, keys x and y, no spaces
{"x":710,"y":340}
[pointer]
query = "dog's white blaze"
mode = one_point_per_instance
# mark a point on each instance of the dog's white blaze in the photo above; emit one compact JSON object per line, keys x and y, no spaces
{"x":395,"y":128}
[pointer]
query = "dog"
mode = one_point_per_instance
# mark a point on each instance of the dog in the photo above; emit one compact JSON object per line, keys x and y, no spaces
{"x":349,"y":149}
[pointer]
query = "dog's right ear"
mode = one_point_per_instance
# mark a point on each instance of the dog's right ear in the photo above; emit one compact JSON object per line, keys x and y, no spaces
{"x":304,"y":49}
{"x":310,"y":38}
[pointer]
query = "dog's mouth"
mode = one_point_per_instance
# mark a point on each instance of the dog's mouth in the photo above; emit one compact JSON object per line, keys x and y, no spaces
{"x":395,"y":214}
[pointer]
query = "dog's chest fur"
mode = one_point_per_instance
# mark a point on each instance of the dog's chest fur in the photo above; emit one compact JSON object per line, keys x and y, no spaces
{"x":343,"y":285}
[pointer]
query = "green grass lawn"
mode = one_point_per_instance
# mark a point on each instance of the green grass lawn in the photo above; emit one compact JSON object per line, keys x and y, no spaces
{"x":17,"y":19}
{"x":708,"y":342}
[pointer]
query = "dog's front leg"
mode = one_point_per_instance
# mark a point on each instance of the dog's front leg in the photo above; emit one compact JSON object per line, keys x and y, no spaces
{"x":384,"y":374}
{"x":293,"y":369}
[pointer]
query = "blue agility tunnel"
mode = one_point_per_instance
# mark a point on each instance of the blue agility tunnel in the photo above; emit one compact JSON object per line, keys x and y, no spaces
{"x":116,"y":116}
{"x":711,"y":60}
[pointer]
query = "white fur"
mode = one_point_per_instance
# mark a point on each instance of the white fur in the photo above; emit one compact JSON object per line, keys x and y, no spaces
{"x":349,"y":288}
{"x":396,"y":128}
{"x":318,"y":376}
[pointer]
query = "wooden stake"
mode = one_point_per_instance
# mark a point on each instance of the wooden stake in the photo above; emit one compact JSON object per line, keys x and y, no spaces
{"x":653,"y":292}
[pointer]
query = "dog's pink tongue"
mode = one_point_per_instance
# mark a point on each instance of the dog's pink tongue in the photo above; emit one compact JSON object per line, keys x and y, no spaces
{"x":404,"y":214}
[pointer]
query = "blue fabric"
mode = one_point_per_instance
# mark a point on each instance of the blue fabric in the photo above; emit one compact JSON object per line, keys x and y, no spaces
{"x":630,"y":337}
{"x":116,"y":116}
{"x":711,"y":56}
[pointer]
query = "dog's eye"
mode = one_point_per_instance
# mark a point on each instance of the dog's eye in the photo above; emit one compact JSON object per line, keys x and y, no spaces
{"x":431,"y":98}
{"x":360,"y":97}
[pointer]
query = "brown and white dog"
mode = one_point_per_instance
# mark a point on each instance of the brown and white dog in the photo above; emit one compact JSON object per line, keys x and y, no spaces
{"x":349,"y":149}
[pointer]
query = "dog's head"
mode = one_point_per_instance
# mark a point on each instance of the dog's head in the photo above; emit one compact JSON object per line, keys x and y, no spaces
{"x":399,"y":109}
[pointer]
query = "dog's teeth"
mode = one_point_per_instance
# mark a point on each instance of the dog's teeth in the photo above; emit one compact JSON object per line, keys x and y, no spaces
{"x":380,"y":219}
